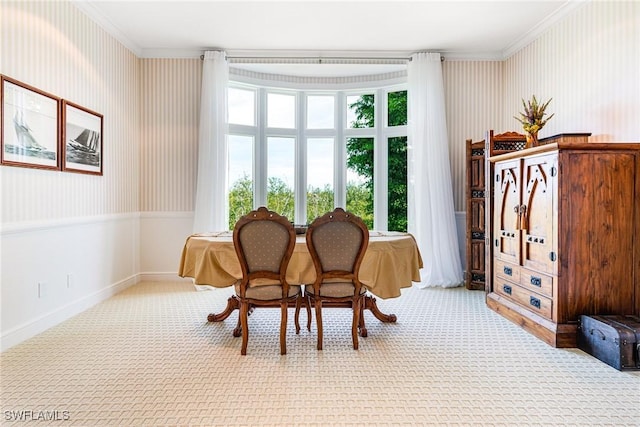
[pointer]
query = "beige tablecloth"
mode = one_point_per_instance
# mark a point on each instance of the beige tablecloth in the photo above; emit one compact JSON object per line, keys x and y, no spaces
{"x":392,"y":262}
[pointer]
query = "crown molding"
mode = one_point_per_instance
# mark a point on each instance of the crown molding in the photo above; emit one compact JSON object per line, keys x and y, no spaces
{"x":171,"y":53}
{"x":544,"y":25}
{"x":94,"y":14}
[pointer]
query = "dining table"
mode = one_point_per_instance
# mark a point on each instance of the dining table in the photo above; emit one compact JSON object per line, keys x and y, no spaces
{"x":391,"y":262}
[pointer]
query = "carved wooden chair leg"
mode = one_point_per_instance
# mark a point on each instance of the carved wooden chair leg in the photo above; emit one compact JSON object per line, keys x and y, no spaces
{"x":237,"y":331}
{"x":244,"y":308}
{"x":319,"y":322}
{"x":363,"y":328}
{"x":307,"y":303}
{"x":356,"y":321}
{"x":297,"y":315}
{"x":283,"y":327}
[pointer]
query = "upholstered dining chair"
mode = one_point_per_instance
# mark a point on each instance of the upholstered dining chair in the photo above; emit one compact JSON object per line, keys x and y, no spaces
{"x":264,"y":242}
{"x":337,"y":242}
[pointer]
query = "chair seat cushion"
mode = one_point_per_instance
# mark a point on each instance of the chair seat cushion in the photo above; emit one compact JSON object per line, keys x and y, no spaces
{"x":335,"y":289}
{"x":267,"y":292}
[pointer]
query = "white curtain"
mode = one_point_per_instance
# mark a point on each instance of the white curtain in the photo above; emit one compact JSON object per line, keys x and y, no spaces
{"x":431,"y":216}
{"x":211,"y":213}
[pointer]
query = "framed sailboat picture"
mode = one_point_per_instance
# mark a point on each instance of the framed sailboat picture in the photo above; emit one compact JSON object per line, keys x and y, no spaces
{"x":82,"y":139}
{"x":30,"y":120}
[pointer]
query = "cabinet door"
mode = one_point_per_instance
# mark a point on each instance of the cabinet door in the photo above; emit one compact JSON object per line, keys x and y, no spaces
{"x":538,"y":220}
{"x":506,"y":218}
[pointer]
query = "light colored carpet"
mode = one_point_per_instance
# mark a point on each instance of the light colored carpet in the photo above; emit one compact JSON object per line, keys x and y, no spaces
{"x":148,"y":357}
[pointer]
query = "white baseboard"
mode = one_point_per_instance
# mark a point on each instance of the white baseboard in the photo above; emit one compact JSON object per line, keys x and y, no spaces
{"x":53,"y":318}
{"x":162,"y":277}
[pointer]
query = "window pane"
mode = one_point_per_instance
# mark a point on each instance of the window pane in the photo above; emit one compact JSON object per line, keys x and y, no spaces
{"x":242,"y":108}
{"x":320,"y":193}
{"x":360,"y":178}
{"x":360,"y":111}
{"x":320,"y":112}
{"x":280,"y":173}
{"x":240,"y":177}
{"x":397,"y":108}
{"x":397,"y":214}
{"x":281,"y":111}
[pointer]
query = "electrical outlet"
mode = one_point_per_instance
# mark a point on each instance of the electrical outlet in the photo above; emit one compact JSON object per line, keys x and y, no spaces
{"x":42,"y":289}
{"x":69,"y":281}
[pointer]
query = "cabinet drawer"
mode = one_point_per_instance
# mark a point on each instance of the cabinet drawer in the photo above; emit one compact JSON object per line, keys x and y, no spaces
{"x":536,"y":282}
{"x":530,"y":300}
{"x":507,"y":271}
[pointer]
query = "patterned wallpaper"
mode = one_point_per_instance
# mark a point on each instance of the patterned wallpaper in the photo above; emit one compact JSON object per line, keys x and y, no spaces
{"x":472,"y":91}
{"x":56,"y":48}
{"x":170,"y":116}
{"x":589,"y":63}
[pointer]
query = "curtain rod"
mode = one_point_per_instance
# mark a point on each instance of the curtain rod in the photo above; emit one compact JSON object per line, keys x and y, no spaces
{"x":320,"y":59}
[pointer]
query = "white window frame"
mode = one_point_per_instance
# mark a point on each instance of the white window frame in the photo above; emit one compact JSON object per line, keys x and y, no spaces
{"x":381,"y":132}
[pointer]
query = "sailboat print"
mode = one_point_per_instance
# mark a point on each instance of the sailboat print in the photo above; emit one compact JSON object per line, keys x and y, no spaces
{"x":25,"y":138}
{"x":87,"y":141}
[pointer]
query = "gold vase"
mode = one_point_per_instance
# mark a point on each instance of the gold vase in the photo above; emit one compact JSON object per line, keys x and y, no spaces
{"x":532,"y":139}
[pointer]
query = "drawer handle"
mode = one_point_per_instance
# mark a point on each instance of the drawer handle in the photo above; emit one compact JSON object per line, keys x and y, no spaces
{"x":536,"y":281}
{"x":508,"y":271}
{"x":534,"y":302}
{"x":506,"y":289}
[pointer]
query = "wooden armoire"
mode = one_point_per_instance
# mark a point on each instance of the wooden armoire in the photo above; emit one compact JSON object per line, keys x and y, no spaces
{"x":565,"y":237}
{"x":476,"y":158}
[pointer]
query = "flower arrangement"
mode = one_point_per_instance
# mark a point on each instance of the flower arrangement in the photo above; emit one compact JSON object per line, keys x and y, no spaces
{"x":532,"y":118}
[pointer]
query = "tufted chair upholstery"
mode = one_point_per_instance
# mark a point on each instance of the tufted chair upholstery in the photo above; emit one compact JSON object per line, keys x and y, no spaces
{"x":264,"y":242}
{"x":337,"y":242}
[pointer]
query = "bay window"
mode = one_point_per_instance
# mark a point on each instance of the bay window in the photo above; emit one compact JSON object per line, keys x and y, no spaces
{"x":303,"y":152}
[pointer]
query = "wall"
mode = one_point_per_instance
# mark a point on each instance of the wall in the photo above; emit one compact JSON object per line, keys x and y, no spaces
{"x":590,"y":65}
{"x":170,"y":116}
{"x":473,"y":94}
{"x":77,"y":235}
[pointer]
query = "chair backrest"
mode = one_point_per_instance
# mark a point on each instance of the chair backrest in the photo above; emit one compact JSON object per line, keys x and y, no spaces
{"x":337,"y":242}
{"x":264,"y":242}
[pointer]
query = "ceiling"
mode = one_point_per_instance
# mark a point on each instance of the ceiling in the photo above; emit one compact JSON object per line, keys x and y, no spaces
{"x":477,"y":28}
